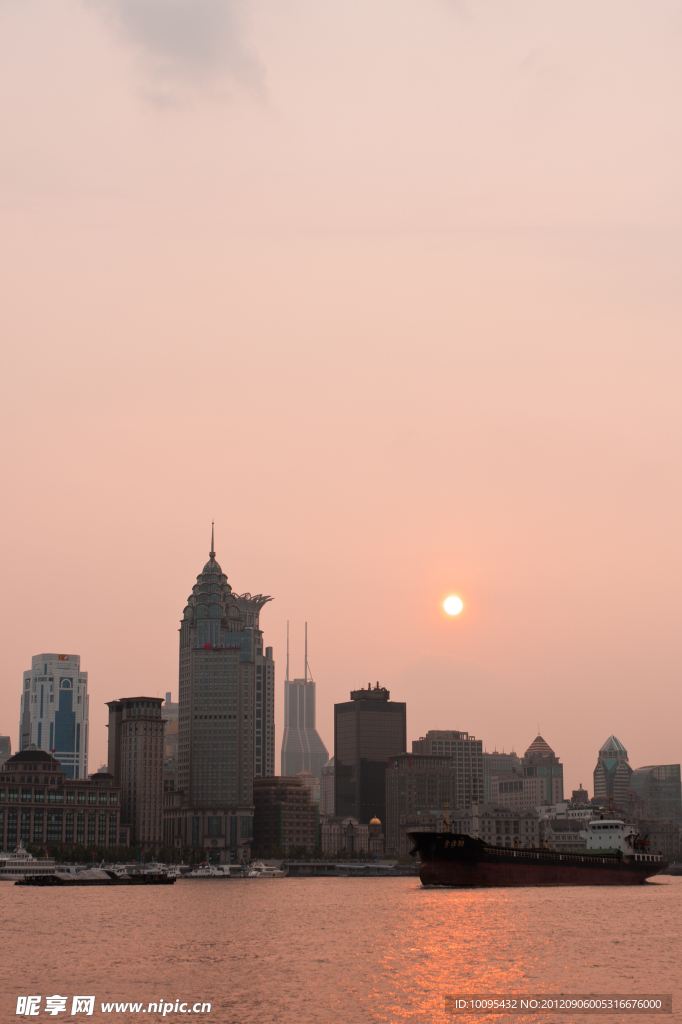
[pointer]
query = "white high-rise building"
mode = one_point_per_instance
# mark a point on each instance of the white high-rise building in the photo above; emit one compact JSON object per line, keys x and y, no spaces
{"x":302,"y":747}
{"x":54,"y":711}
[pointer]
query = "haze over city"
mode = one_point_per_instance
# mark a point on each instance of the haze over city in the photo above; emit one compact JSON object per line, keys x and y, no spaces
{"x":391,"y":293}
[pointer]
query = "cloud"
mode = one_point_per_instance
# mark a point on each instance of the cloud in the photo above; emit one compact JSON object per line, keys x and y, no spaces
{"x":186,"y":44}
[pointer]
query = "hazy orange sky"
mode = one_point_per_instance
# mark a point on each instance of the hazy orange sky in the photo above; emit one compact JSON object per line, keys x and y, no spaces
{"x":391,"y":291}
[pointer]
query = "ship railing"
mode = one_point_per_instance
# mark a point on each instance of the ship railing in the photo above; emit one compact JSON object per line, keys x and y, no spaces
{"x":543,"y":854}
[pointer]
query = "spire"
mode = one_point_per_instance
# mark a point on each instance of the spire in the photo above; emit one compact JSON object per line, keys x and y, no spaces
{"x":212,"y":552}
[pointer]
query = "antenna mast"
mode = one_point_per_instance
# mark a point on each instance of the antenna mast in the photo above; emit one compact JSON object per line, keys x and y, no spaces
{"x":287,"y":678}
{"x":306,"y":653}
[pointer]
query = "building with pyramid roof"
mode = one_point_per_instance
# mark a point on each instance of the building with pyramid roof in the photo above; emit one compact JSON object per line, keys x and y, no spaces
{"x":612,"y":775}
{"x":535,"y":779}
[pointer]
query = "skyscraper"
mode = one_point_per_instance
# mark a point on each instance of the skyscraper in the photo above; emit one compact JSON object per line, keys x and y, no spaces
{"x":540,"y":762}
{"x":226,"y":716}
{"x":302,"y":748}
{"x":612,"y":774}
{"x":466,"y":761}
{"x":5,"y":749}
{"x":658,"y":786}
{"x":368,"y":729}
{"x":135,"y":755}
{"x":54,"y":711}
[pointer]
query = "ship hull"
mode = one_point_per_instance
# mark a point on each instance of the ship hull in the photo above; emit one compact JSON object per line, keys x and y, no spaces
{"x":464,"y":862}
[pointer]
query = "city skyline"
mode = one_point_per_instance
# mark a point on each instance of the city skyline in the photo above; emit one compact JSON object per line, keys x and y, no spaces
{"x":272,"y":725}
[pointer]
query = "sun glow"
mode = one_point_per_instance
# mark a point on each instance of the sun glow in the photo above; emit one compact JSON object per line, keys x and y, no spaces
{"x":453,"y":604}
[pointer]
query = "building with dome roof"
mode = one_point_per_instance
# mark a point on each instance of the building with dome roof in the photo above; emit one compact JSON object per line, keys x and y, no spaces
{"x":612,"y":774}
{"x":225,"y":717}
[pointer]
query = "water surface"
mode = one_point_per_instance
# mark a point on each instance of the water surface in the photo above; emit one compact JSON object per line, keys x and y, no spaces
{"x":348,"y":950}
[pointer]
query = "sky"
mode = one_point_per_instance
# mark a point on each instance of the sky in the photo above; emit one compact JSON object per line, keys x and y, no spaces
{"x":388,"y":290}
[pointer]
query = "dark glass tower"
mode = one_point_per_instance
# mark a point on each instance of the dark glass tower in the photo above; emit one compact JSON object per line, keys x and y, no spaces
{"x":368,"y":729}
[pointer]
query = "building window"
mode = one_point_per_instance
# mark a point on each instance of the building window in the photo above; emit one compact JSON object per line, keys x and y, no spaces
{"x":38,"y":826}
{"x":54,"y":827}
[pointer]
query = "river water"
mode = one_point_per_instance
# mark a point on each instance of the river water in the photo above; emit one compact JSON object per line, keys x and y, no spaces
{"x":342,"y":950}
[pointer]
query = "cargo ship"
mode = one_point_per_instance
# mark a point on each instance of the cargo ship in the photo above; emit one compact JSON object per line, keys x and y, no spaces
{"x":614,"y":854}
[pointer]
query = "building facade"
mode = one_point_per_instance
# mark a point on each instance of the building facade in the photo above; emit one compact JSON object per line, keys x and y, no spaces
{"x":612,"y":774}
{"x":658,"y":786}
{"x":285,"y":816}
{"x":302,"y":747}
{"x":40,"y":804}
{"x":540,"y":762}
{"x":313,"y":784}
{"x":327,"y":788}
{"x":466,"y":758}
{"x":54,"y":711}
{"x":264,"y":714}
{"x":5,"y":749}
{"x":136,"y":755}
{"x":345,"y":835}
{"x":496,"y":763}
{"x":226,"y":716}
{"x":497,"y":825}
{"x":368,"y":730}
{"x":420,"y":788}
{"x":537,"y":779}
{"x":501,"y":826}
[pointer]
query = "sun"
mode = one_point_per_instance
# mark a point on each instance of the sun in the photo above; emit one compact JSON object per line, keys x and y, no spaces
{"x":453,"y":604}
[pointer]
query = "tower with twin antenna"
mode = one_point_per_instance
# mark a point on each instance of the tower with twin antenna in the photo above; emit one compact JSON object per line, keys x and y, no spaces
{"x":302,"y":748}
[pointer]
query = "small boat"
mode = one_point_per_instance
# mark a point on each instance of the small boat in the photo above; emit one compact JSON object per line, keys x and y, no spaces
{"x":208,"y":871}
{"x":22,"y":864}
{"x":260,"y":870}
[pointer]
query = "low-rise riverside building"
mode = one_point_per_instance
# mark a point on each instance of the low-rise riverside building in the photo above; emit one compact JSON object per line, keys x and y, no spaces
{"x":40,"y":805}
{"x":225,"y":834}
{"x":343,"y":834}
{"x":497,"y":825}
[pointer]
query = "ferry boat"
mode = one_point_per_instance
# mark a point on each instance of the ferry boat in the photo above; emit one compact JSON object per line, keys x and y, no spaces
{"x":97,"y":876}
{"x":22,"y":864}
{"x":614,"y":854}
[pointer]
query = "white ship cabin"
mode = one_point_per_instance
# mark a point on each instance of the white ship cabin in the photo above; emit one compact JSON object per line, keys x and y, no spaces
{"x":21,"y":864}
{"x":618,"y":835}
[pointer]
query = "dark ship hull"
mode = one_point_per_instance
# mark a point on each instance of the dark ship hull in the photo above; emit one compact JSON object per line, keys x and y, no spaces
{"x":458,"y":860}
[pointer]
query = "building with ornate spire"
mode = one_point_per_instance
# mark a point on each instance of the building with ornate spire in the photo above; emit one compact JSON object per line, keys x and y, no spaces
{"x":225,"y":718}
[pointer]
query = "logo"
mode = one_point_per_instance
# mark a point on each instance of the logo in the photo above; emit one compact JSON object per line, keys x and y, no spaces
{"x":64,"y":657}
